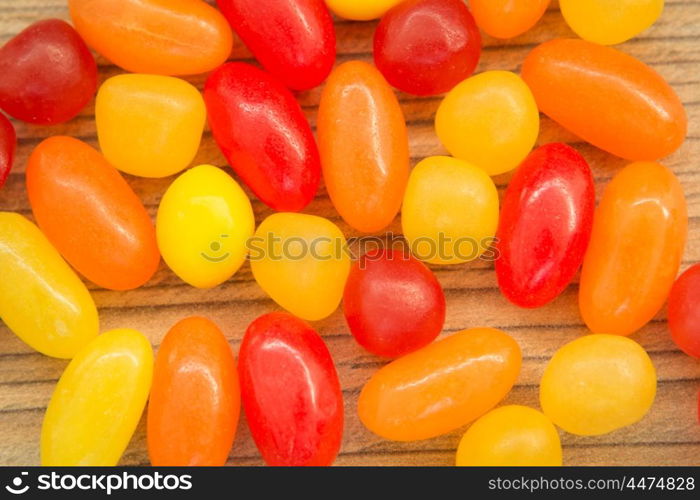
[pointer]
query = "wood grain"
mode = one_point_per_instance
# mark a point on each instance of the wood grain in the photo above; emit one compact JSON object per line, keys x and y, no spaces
{"x":669,"y":435}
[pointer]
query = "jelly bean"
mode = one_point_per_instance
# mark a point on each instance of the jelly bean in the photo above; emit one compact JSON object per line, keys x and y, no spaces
{"x":511,"y":436}
{"x":361,"y":10}
{"x":440,"y":387}
{"x":290,"y":391}
{"x":363,"y":143}
{"x":264,"y":135}
{"x":164,"y":37}
{"x":684,"y":311}
{"x":149,"y":125}
{"x":393,"y":303}
{"x":203,"y":226}
{"x":490,"y":120}
{"x":426,"y":47}
{"x":302,"y":262}
{"x":195,"y":400}
{"x":639,"y":233}
{"x":98,"y":401}
{"x":294,"y":40}
{"x":607,"y":98}
{"x":597,"y":384}
{"x":92,"y":216}
{"x":545,"y":225}
{"x":8,"y":144}
{"x":610,"y":21}
{"x":450,"y":211}
{"x":41,"y":298}
{"x":48,"y":73}
{"x":507,"y":18}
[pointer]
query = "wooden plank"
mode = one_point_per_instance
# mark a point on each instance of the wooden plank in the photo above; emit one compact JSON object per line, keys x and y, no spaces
{"x":669,"y":435}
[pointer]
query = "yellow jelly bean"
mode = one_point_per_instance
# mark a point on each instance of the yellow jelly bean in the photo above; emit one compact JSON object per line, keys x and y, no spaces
{"x":511,"y":436}
{"x":42,"y":300}
{"x":98,"y":401}
{"x":597,"y":384}
{"x":490,"y":120}
{"x":203,"y":225}
{"x":361,"y":10}
{"x":302,"y":262}
{"x":149,"y":125}
{"x":450,"y":211}
{"x":609,"y":22}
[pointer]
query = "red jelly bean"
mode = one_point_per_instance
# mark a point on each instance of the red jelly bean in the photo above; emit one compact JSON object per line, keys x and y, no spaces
{"x":426,"y":47}
{"x":393,"y":303}
{"x":294,"y":40}
{"x":290,"y":392}
{"x":545,"y":225}
{"x":264,"y":135}
{"x":8,"y":144}
{"x":48,"y":73}
{"x":684,"y":311}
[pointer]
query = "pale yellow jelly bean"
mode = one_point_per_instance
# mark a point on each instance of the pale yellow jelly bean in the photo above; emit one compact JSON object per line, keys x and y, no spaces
{"x":149,"y":125}
{"x":490,"y":120}
{"x":42,"y":300}
{"x":511,"y":436}
{"x":597,"y":384}
{"x":450,"y":211}
{"x":610,"y":21}
{"x":302,"y":262}
{"x":361,"y":10}
{"x":98,"y":401}
{"x":204,"y":222}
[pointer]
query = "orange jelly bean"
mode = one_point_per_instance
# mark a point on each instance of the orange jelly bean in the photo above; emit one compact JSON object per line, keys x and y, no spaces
{"x":166,"y":37}
{"x":195,"y":399}
{"x":607,"y":98}
{"x":442,"y":386}
{"x":90,"y":214}
{"x":639,"y":232}
{"x":507,"y":18}
{"x":363,"y":143}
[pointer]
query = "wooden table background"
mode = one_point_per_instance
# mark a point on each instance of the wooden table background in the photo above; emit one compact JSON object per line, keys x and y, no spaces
{"x":668,"y":435}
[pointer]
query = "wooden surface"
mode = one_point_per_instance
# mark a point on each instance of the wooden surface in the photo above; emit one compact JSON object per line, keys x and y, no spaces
{"x":669,"y":435}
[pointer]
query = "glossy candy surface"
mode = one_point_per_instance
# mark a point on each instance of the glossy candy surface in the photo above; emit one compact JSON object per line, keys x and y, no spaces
{"x":597,"y":384}
{"x":684,"y":311}
{"x":440,"y":387}
{"x":8,"y":145}
{"x":393,"y":303}
{"x":294,"y":40}
{"x":195,"y":400}
{"x":301,"y":262}
{"x":41,"y":299}
{"x":149,"y":125}
{"x":98,"y":401}
{"x":426,"y":47}
{"x":610,"y":21}
{"x":507,"y":18}
{"x":450,"y":211}
{"x":204,"y":222}
{"x":361,"y":10}
{"x":510,"y":436}
{"x":264,"y":135}
{"x":607,"y":98}
{"x":48,"y":73}
{"x":490,"y":120}
{"x":90,"y":213}
{"x":545,"y":225}
{"x":291,"y":393}
{"x":164,"y":37}
{"x":363,"y":143}
{"x":639,"y":233}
